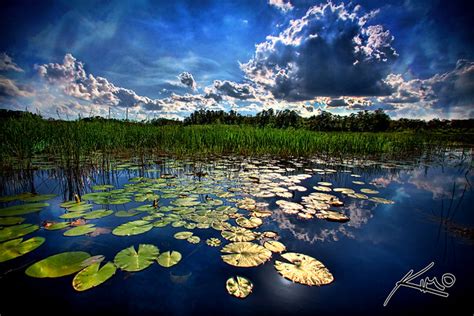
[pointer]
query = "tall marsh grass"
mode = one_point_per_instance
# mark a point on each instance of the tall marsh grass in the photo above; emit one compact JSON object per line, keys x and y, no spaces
{"x":24,"y":137}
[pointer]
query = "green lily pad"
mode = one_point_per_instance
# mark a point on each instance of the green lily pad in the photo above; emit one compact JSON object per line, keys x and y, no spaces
{"x":102,"y":187}
{"x":16,"y":231}
{"x":239,"y":286}
{"x":80,"y":230}
{"x":58,"y":265}
{"x":183,"y":235}
{"x":238,"y":234}
{"x":169,"y":258}
{"x":56,"y":226}
{"x":98,"y":214}
{"x":17,"y":247}
{"x":7,"y":221}
{"x":71,"y":215}
{"x":92,"y":276}
{"x":303,"y":269}
{"x":251,"y":222}
{"x":194,"y":240}
{"x":21,"y":209}
{"x":132,"y":228}
{"x":80,"y":208}
{"x":130,"y":260}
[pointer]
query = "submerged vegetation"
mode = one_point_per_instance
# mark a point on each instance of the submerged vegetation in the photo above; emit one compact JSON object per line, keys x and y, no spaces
{"x":25,"y":135}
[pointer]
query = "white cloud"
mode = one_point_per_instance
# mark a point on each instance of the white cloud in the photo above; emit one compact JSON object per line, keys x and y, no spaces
{"x":7,"y":64}
{"x":282,"y":5}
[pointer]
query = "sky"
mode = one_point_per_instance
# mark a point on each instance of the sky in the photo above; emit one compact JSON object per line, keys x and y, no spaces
{"x":65,"y":59}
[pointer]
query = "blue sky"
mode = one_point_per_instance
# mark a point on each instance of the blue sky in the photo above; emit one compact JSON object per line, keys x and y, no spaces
{"x":169,"y":58}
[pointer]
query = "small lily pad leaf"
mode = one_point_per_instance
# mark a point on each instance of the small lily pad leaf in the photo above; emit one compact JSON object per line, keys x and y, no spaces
{"x":130,"y":260}
{"x":239,"y":286}
{"x":58,"y":265}
{"x":238,"y":234}
{"x":21,"y":209}
{"x":381,"y":200}
{"x":183,"y":235}
{"x":98,"y":214}
{"x":80,"y":230}
{"x":16,"y":231}
{"x":102,"y":187}
{"x":92,"y":276}
{"x":71,"y":215}
{"x":6,"y":221}
{"x":274,"y":246}
{"x":245,"y":254}
{"x":56,"y":226}
{"x":133,"y":228}
{"x":251,"y":222}
{"x":169,"y":258}
{"x":213,"y":242}
{"x":17,"y":247}
{"x":369,"y":191}
{"x":194,"y":240}
{"x":303,"y":269}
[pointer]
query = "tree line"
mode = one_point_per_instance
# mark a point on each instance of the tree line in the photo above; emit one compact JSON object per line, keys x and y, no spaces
{"x":362,"y":121}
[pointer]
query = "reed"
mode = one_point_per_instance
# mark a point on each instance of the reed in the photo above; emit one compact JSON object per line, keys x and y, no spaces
{"x":27,"y":136}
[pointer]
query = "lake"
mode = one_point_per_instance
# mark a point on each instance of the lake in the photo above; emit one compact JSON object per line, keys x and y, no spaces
{"x":368,"y":222}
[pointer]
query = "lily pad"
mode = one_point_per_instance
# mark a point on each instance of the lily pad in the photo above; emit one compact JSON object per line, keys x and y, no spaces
{"x":7,"y":221}
{"x":274,"y":246}
{"x":251,"y":222}
{"x":369,"y":191}
{"x":80,"y":230}
{"x":21,"y":209}
{"x":381,"y":200}
{"x":102,"y":187}
{"x":245,"y":254}
{"x":130,"y":260}
{"x":238,"y":234}
{"x":183,"y":235}
{"x":98,"y":214}
{"x":194,"y":240}
{"x":56,"y":226}
{"x":133,"y":228}
{"x":38,"y":197}
{"x":303,"y":269}
{"x":16,"y":231}
{"x":71,"y":215}
{"x":58,"y":265}
{"x":169,"y":258}
{"x":17,"y":247}
{"x":92,"y":276}
{"x":239,"y":286}
{"x":213,"y":242}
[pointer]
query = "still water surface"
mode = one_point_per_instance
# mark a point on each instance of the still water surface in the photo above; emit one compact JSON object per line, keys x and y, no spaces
{"x":431,"y":220}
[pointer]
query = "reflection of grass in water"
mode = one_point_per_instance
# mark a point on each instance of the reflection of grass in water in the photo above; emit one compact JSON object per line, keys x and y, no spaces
{"x":26,"y":136}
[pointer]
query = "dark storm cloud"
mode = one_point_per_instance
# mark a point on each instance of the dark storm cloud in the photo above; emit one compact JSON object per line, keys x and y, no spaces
{"x":330,"y":51}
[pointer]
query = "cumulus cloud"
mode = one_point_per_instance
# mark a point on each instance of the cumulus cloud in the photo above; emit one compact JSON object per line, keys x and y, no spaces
{"x":350,"y":103}
{"x":451,"y":90}
{"x":187,"y":79}
{"x":330,"y":51}
{"x":282,"y":5}
{"x":7,"y":64}
{"x":9,"y":88}
{"x":225,"y":88}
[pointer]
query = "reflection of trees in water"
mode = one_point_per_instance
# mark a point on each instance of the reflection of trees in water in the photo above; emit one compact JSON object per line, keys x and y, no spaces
{"x":359,"y":212}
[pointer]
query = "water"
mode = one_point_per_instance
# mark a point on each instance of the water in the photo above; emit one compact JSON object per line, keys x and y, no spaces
{"x":431,"y":220}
